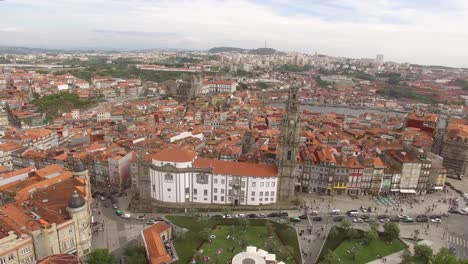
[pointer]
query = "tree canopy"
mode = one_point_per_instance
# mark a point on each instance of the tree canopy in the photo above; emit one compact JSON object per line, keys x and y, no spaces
{"x":100,"y":256}
{"x":391,"y":231}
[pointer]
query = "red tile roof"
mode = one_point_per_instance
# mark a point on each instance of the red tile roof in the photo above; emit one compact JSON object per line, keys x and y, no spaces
{"x":237,"y":168}
{"x":174,"y":155}
{"x":154,"y":245}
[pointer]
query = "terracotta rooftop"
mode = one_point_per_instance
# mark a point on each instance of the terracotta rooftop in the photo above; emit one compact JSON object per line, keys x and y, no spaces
{"x":237,"y":168}
{"x":154,"y":245}
{"x":174,"y":155}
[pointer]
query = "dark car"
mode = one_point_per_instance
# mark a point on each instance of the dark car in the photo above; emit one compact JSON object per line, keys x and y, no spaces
{"x":454,"y":211}
{"x":107,"y":205}
{"x":351,"y":213}
{"x":251,"y":216}
{"x":303,"y":216}
{"x":364,"y":217}
{"x":217,"y":216}
{"x":368,"y":220}
{"x":421,"y":218}
{"x":435,"y":216}
{"x":284,"y":214}
{"x":394,"y":219}
{"x":317,"y":219}
{"x":338,"y":218}
{"x":273,"y":215}
{"x":407,"y":220}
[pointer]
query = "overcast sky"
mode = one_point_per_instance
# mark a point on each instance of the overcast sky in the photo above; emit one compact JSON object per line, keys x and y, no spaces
{"x":416,"y":31}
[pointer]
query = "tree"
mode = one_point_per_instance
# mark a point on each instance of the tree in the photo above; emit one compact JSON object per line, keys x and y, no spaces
{"x":100,"y":256}
{"x":371,"y":235}
{"x":374,"y":226}
{"x":391,"y":231}
{"x":423,"y":252}
{"x":406,"y":256}
{"x":205,"y":234}
{"x":346,"y":224}
{"x":269,"y":245}
{"x":135,"y":254}
{"x":330,"y":258}
{"x":444,"y":256}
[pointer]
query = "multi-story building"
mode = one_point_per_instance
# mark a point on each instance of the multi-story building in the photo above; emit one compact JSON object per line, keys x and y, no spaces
{"x":410,"y":168}
{"x":40,"y":138}
{"x":455,"y":150}
{"x":40,"y":222}
{"x":179,"y":177}
{"x":220,"y":86}
{"x":424,"y":121}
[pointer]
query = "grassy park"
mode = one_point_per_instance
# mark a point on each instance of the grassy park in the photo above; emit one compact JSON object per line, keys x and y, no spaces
{"x":217,"y":240}
{"x":366,"y":252}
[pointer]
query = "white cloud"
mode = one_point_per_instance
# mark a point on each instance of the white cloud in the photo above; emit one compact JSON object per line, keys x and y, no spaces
{"x":401,"y":30}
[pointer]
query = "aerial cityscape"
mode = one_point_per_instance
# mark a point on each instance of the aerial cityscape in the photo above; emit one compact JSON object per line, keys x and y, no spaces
{"x":151,"y":132}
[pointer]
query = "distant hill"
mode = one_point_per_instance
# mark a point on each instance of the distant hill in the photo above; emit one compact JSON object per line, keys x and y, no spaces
{"x":259,"y":51}
{"x":25,"y":50}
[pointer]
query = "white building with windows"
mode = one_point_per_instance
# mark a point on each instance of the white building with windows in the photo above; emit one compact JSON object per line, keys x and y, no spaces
{"x":179,"y":177}
{"x":219,"y":86}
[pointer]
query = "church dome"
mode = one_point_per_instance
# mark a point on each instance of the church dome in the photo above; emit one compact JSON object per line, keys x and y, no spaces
{"x":79,"y":166}
{"x":76,"y":201}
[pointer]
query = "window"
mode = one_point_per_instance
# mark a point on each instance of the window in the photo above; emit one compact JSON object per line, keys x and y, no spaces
{"x":242,"y":183}
{"x":267,"y":184}
{"x":195,"y":191}
{"x":261,"y":199}
{"x":3,"y":260}
{"x":254,"y":184}
{"x":229,"y":192}
{"x":64,"y":245}
{"x":252,"y":199}
{"x":205,"y":192}
{"x":242,"y":193}
{"x":266,"y":193}
{"x":187,"y":190}
{"x":168,"y":189}
{"x":289,"y":155}
{"x":222,"y":191}
{"x":72,"y":242}
{"x":11,"y":257}
{"x":202,"y":178}
{"x":168,"y":177}
{"x":215,"y":198}
{"x":230,"y":182}
{"x":223,"y":181}
{"x":215,"y":181}
{"x":261,"y":193}
{"x":253,"y":193}
{"x":272,"y":193}
{"x":229,"y":199}
{"x":26,"y":250}
{"x":273,"y":184}
{"x":222,"y":198}
{"x":154,"y":188}
{"x":70,"y":231}
{"x":215,"y":190}
{"x":262,"y":184}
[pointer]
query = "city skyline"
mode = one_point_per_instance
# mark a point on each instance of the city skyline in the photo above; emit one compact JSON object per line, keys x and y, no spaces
{"x":423,"y":32}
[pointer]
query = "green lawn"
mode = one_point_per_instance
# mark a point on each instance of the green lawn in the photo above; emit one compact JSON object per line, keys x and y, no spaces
{"x":369,"y":252}
{"x":255,"y":234}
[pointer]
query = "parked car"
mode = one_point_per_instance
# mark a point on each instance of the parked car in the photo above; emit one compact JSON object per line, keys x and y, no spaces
{"x":118,"y":212}
{"x":115,"y":206}
{"x":335,"y":212}
{"x":303,"y":216}
{"x":402,"y":216}
{"x":394,"y":219}
{"x":317,"y":219}
{"x":140,"y":217}
{"x":273,"y":215}
{"x":284,"y":214}
{"x":338,"y":218}
{"x":281,"y":221}
{"x":407,"y":220}
{"x":435,"y":216}
{"x":150,"y":222}
{"x":352,"y":213}
{"x":422,"y":219}
{"x":358,"y":220}
{"x":251,"y":216}
{"x":107,"y":205}
{"x":436,"y":220}
{"x":103,"y":198}
{"x":384,"y":219}
{"x":295,"y":219}
{"x":369,"y":220}
{"x":262,"y":215}
{"x":314,"y":213}
{"x":126,"y":216}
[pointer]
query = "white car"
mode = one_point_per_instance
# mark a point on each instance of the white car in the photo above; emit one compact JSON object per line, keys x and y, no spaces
{"x":126,"y":216}
{"x":403,"y":216}
{"x":103,"y":198}
{"x":436,"y":220}
{"x":358,"y":220}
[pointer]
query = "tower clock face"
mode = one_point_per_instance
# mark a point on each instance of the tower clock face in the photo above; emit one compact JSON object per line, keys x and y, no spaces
{"x":291,"y":122}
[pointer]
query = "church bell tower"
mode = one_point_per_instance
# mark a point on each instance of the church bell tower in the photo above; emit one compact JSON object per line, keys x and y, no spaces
{"x":289,"y":146}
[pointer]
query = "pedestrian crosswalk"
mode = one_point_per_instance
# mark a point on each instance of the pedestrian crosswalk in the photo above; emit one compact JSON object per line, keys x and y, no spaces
{"x":457,"y":241}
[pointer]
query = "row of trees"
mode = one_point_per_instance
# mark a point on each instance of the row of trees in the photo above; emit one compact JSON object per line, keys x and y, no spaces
{"x":132,"y":254}
{"x":424,"y":254}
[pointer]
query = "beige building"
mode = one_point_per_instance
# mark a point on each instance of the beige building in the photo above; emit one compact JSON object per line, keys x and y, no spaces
{"x":43,"y":221}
